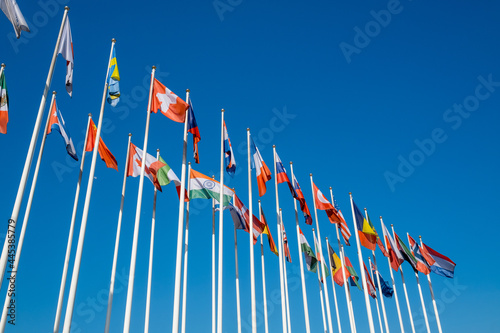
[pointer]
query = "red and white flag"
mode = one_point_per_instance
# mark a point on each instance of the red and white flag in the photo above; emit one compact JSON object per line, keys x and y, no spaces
{"x":261,"y":169}
{"x":168,"y":103}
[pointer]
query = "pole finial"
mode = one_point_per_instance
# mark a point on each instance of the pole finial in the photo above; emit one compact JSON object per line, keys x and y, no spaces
{"x":420,"y":236}
{"x":130,"y":134}
{"x":154,"y":67}
{"x":113,"y":40}
{"x":341,"y":246}
{"x":291,"y":162}
{"x":392,"y":225}
{"x":259,"y":200}
{"x":187,"y":90}
{"x":274,"y":146}
{"x":158,"y":150}
{"x":350,"y":193}
{"x":326,"y":239}
{"x":189,"y":163}
{"x":54,"y":92}
{"x":66,"y":7}
{"x":90,"y":114}
{"x":248,"y":129}
{"x":365,"y":209}
{"x":3,"y":65}
{"x":213,"y":176}
{"x":311,"y":174}
{"x":381,"y":217}
{"x":330,"y":187}
{"x":222,"y":110}
{"x":313,"y":229}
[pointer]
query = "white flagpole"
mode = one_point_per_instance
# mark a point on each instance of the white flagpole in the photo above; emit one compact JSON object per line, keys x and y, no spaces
{"x":404,"y":286}
{"x":252,"y":264}
{"x":363,"y":277}
{"x":78,"y":257}
{"x":70,"y":237}
{"x":263,"y":276}
{"x":325,"y":282}
{"x":421,"y":296}
{"x":238,"y":308}
{"x":302,"y":278}
{"x":347,"y":289}
{"x":346,"y":285}
{"x":180,"y":229}
{"x":214,"y":313}
{"x":117,"y":241}
{"x":13,"y":271}
{"x":333,"y":287}
{"x":319,"y":283}
{"x":379,"y":294}
{"x":133,"y":257}
{"x":29,"y":156}
{"x":150,"y":266}
{"x":280,"y":247}
{"x":286,"y":280}
{"x":221,"y":220}
{"x":432,"y":295}
{"x":394,"y":287}
{"x":2,"y":68}
{"x":184,"y":279}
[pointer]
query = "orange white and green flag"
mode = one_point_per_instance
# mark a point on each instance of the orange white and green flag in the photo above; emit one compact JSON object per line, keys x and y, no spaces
{"x":204,"y":187}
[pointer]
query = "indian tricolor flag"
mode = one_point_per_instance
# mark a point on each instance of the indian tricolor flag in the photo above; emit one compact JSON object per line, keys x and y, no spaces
{"x":203,"y":187}
{"x":311,"y":260}
{"x":4,"y":105}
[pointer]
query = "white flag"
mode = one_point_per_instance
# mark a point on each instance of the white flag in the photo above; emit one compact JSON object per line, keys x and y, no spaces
{"x":66,"y":49}
{"x":13,"y":13}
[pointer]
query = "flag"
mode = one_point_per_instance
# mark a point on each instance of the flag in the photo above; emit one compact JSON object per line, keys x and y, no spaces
{"x":338,"y":276}
{"x":113,"y":80}
{"x":366,"y":231}
{"x":302,"y":201}
{"x":192,"y":127}
{"x":203,"y":187}
{"x":321,"y":202}
{"x":4,"y":104}
{"x":282,"y":177}
{"x":344,"y":229}
{"x":394,"y":255}
{"x":311,"y":261}
{"x":387,"y":289}
{"x":134,"y":165}
{"x":266,"y":231}
{"x":285,"y":244}
{"x":352,"y":271}
{"x":261,"y":169}
{"x":370,"y":284}
{"x":240,"y":214}
{"x":66,"y":50}
{"x":13,"y":13}
{"x":56,"y":123}
{"x":104,"y":152}
{"x":441,"y":265}
{"x":168,"y":103}
{"x":165,"y":175}
{"x":422,"y":266}
{"x":228,"y":154}
{"x":326,"y":271}
{"x":406,"y":253}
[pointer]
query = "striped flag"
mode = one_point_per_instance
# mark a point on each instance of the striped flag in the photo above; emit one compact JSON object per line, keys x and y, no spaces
{"x":302,"y":201}
{"x":203,"y":187}
{"x":240,"y":214}
{"x":57,"y":123}
{"x":134,"y":165}
{"x":193,"y":129}
{"x":113,"y":81}
{"x":394,"y":255}
{"x":441,"y":264}
{"x":369,"y":282}
{"x":406,"y":253}
{"x":337,"y":267}
{"x":4,"y":105}
{"x":165,"y":175}
{"x":422,"y":265}
{"x":285,"y":244}
{"x":229,"y":160}
{"x":311,"y":261}
{"x":261,"y":169}
{"x":266,"y":231}
{"x":282,"y":177}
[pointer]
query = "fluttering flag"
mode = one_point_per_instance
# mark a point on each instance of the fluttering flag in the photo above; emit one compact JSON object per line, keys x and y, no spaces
{"x":387,"y":289}
{"x":192,"y":127}
{"x":311,"y":261}
{"x":13,"y":13}
{"x":103,"y":150}
{"x":321,"y":202}
{"x":285,"y":244}
{"x":326,"y":271}
{"x":165,"y":175}
{"x":261,"y":169}
{"x":4,"y":105}
{"x":282,"y":177}
{"x":344,"y":229}
{"x":240,"y":214}
{"x":57,"y":123}
{"x":302,"y":201}
{"x":272,"y":245}
{"x":229,"y":160}
{"x":113,"y":80}
{"x":337,"y":267}
{"x":440,"y":264}
{"x":406,"y":253}
{"x":395,"y":256}
{"x":352,"y":271}
{"x":66,"y":50}
{"x":369,"y":282}
{"x":366,"y":231}
{"x":134,"y":165}
{"x":422,"y":265}
{"x":168,"y":103}
{"x":203,"y":187}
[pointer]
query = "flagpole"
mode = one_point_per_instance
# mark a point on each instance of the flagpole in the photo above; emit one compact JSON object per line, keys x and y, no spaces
{"x":180,"y":228}
{"x":184,"y":280}
{"x":347,"y":289}
{"x":2,"y":69}
{"x":421,"y":296}
{"x":432,"y":295}
{"x":252,"y":264}
{"x":319,"y":283}
{"x":20,"y":241}
{"x":78,"y":256}
{"x":404,"y":287}
{"x":394,"y":286}
{"x":214,"y":313}
{"x":376,"y":296}
{"x":363,"y":277}
{"x":333,"y":287}
{"x":327,"y":299}
{"x":238,"y":308}
{"x":346,"y":285}
{"x":70,"y":237}
{"x":302,"y":278}
{"x":29,"y":156}
{"x":117,"y":240}
{"x":380,"y":292}
{"x":221,"y":220}
{"x":264,"y":276}
{"x":280,"y":246}
{"x":287,"y":301}
{"x":133,"y":257}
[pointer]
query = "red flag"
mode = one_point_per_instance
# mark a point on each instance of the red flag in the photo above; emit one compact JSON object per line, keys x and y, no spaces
{"x":168,"y":103}
{"x":104,"y":152}
{"x":321,"y":202}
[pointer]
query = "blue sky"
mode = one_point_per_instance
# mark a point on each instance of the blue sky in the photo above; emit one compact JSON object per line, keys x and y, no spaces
{"x":393,"y":101}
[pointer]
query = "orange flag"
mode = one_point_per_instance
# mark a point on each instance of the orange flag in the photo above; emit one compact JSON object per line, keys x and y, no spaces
{"x":104,"y":152}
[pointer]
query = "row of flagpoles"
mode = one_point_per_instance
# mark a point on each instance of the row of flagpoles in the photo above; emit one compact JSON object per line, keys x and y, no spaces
{"x":139,"y":163}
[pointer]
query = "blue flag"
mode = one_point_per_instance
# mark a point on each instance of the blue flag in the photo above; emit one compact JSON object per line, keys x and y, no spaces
{"x":113,"y":81}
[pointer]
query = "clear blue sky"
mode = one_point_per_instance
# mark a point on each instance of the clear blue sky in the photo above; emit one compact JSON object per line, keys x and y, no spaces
{"x":354,"y":108}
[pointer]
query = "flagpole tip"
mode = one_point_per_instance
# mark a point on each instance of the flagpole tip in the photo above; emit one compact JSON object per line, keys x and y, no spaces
{"x":90,"y":115}
{"x":157,"y":150}
{"x":113,"y":40}
{"x":310,"y":174}
{"x":54,"y":92}
{"x":154,"y":67}
{"x":67,"y":8}
{"x":189,"y":163}
{"x":274,"y":146}
{"x":392,"y":225}
{"x":365,"y":209}
{"x":326,"y":239}
{"x":248,"y":129}
{"x":419,"y":236}
{"x":350,"y":193}
{"x":130,"y":134}
{"x":291,"y":162}
{"x":213,"y":176}
{"x":313,"y":229}
{"x":3,"y":65}
{"x":330,"y":187}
